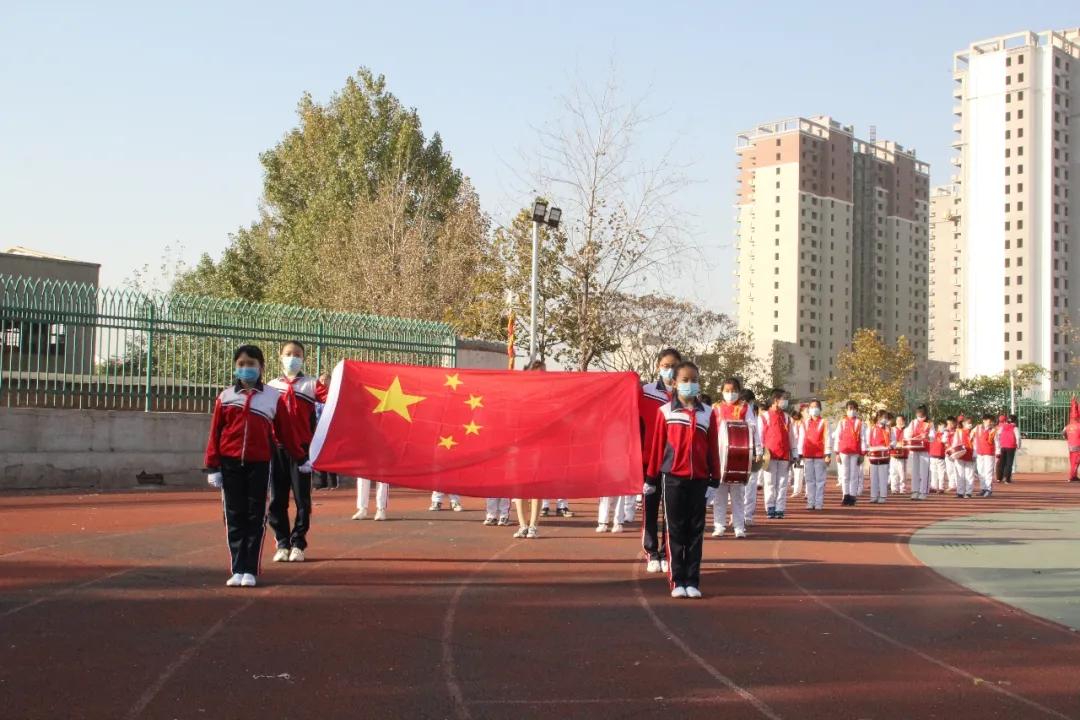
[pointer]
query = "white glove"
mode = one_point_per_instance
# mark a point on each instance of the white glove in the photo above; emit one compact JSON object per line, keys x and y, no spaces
{"x":648,"y":489}
{"x":305,"y":468}
{"x":214,"y":479}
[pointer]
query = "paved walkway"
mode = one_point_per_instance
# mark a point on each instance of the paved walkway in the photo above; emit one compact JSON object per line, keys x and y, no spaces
{"x":1028,"y":559}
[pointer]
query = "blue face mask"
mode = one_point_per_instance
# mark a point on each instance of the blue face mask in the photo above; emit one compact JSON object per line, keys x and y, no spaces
{"x":249,"y":375}
{"x":689,"y":390}
{"x":292,"y":364}
{"x":666,"y":374}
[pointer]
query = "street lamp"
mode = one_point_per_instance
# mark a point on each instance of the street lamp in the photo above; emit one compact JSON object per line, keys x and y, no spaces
{"x":550,"y":217}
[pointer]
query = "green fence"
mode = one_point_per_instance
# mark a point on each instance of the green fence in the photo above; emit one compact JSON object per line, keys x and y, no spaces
{"x":75,"y":345}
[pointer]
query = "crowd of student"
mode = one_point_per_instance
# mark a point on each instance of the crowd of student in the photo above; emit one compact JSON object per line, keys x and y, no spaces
{"x":260,"y":433}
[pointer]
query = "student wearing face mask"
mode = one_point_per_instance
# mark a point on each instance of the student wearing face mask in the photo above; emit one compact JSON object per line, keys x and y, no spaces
{"x":300,"y":392}
{"x":849,"y":442}
{"x":247,"y":418}
{"x":936,"y":453}
{"x":684,"y":457}
{"x":964,"y":457}
{"x":949,"y":440}
{"x":797,"y":489}
{"x":733,"y":408}
{"x":917,"y":437}
{"x":815,"y":449}
{"x":879,"y":442}
{"x":898,"y":457}
{"x":985,"y":454}
{"x":778,"y":436}
{"x":654,"y":395}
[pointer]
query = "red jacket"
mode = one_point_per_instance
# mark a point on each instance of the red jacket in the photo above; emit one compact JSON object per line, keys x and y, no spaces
{"x":244,"y":424}
{"x":300,"y":395}
{"x":776,"y":434}
{"x":653,"y":397}
{"x":685,"y":443}
{"x":984,"y":441}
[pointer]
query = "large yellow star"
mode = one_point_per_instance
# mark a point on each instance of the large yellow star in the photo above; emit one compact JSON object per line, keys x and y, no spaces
{"x":472,"y":428}
{"x":474,"y":401}
{"x":392,"y":399}
{"x":452,"y":381}
{"x":447,"y":442}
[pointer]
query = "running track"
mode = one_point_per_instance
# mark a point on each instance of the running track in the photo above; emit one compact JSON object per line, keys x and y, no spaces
{"x":114,"y":606}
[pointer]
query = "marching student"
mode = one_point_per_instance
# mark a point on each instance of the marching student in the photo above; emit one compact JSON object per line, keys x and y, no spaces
{"x":300,"y":393}
{"x":363,"y":499}
{"x":918,"y":435}
{"x":936,"y":453}
{"x":985,"y":454}
{"x":1008,"y":442}
{"x":247,"y":416}
{"x":498,"y":512}
{"x":732,"y":408}
{"x":684,"y":456}
{"x":562,"y":508}
{"x":750,"y":491}
{"x":781,"y":444}
{"x":797,"y":466}
{"x":815,"y":449}
{"x":1071,"y":433}
{"x":850,"y":443}
{"x":898,"y":457}
{"x":437,"y":500}
{"x":879,"y":442}
{"x":952,"y":470}
{"x":654,"y":395}
{"x":965,"y":462}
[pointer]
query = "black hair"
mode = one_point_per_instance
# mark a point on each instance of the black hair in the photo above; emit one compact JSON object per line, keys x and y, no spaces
{"x":687,"y":364}
{"x":1014,"y":419}
{"x":777,"y":394}
{"x":297,"y":343}
{"x":851,"y":405}
{"x":811,"y":401}
{"x":669,"y":352}
{"x":705,"y":399}
{"x":733,"y":382}
{"x":988,"y":416}
{"x":747,"y":396}
{"x":951,"y":417}
{"x":883,"y":414}
{"x":923,"y":409}
{"x":252,"y":351}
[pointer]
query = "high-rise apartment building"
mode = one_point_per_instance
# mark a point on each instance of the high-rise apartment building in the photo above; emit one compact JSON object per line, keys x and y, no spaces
{"x":946,"y":293}
{"x":832,"y":237}
{"x":1019,"y":243}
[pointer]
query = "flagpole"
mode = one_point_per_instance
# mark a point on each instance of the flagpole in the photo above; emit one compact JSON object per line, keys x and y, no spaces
{"x":534,"y":293}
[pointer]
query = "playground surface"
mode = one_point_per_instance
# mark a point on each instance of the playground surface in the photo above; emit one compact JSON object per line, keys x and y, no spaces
{"x":114,"y":606}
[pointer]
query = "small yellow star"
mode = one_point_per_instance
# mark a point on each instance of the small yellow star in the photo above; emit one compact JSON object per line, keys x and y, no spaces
{"x":447,"y":442}
{"x":472,"y":428}
{"x":474,"y":401}
{"x":392,"y":399}
{"x":452,"y":381}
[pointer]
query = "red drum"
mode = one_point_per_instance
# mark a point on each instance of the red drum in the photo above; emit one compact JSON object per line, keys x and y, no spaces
{"x":957,"y":453}
{"x":878,"y":456}
{"x":915,"y":445}
{"x":736,"y":452}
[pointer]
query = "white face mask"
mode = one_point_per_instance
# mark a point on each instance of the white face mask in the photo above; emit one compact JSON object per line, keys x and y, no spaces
{"x":852,"y":413}
{"x":815,"y":411}
{"x":292,"y":364}
{"x":782,"y":404}
{"x":731,"y":397}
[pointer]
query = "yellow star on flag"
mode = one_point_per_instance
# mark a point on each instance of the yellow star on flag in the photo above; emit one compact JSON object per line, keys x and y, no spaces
{"x":474,"y":401}
{"x":447,"y":442}
{"x":452,"y":381}
{"x":392,"y":399}
{"x":472,"y":428}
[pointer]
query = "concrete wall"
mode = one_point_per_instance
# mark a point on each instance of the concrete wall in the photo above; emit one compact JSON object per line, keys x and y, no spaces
{"x":1043,"y":456}
{"x":50,"y":448}
{"x":481,"y":354}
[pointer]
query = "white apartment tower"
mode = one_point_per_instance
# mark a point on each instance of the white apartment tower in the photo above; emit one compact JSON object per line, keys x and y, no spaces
{"x":1019,"y":243}
{"x":832,"y":237}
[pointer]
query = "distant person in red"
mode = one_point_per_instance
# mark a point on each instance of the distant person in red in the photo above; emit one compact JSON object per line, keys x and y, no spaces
{"x":1072,"y":439}
{"x":1008,"y":442}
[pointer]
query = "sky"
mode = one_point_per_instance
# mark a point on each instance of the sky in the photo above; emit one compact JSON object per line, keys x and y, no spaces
{"x":130,"y":132}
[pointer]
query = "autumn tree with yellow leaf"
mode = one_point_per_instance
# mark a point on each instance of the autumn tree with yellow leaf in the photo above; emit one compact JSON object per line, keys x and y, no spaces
{"x":872,"y":372}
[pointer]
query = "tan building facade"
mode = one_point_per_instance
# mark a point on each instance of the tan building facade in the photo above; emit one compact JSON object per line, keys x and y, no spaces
{"x":1015,"y":97}
{"x":832,"y":236}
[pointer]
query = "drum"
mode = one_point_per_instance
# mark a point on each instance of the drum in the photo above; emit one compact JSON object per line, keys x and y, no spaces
{"x":957,"y":453}
{"x":915,"y":445}
{"x":736,"y":452}
{"x":878,"y":455}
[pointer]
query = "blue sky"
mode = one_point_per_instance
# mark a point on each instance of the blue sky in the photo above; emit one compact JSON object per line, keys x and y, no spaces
{"x":129,"y":127}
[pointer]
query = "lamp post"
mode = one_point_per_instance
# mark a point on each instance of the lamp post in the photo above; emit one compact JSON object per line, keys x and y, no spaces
{"x":550,"y":217}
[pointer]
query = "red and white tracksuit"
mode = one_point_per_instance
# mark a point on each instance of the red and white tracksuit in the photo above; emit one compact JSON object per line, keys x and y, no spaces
{"x":985,"y":456}
{"x":815,"y":444}
{"x":849,"y":443}
{"x":733,"y":493}
{"x":780,"y":438}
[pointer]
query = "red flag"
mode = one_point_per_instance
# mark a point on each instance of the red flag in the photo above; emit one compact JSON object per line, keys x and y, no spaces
{"x":483,"y":433}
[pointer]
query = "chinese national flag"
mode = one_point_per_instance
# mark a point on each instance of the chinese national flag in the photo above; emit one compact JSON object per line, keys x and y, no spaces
{"x":483,"y":433}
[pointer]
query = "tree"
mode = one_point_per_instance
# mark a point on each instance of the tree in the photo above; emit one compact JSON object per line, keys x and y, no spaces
{"x":620,"y":209}
{"x":982,"y":394}
{"x":650,"y":323}
{"x":871,"y":372}
{"x":731,"y":354}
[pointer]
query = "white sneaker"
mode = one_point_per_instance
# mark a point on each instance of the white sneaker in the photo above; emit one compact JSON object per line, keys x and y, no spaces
{"x":679,"y":592}
{"x":914,"y":496}
{"x":740,"y":533}
{"x":235,"y":580}
{"x":456,"y":507}
{"x":282,"y":555}
{"x":435,"y":507}
{"x":522,"y":532}
{"x":663,"y":566}
{"x":248,"y":580}
{"x":532,"y":534}
{"x":601,"y":528}
{"x":360,"y":515}
{"x":617,"y":528}
{"x":653,"y":566}
{"x":719,"y":531}
{"x":922,"y":496}
{"x":504,"y":521}
{"x":380,"y":515}
{"x":693,"y":592}
{"x":297,"y":555}
{"x":489,"y":520}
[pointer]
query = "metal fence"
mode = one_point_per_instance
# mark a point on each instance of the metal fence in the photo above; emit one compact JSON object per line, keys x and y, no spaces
{"x":75,"y":345}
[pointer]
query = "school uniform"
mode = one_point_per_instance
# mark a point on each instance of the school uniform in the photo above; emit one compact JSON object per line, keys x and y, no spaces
{"x":815,"y":444}
{"x":849,"y":441}
{"x":733,"y":493}
{"x":750,"y":492}
{"x":437,"y":498}
{"x":684,"y":458}
{"x":965,"y":464}
{"x":952,"y":470}
{"x":779,"y":439}
{"x":985,"y":456}
{"x":936,"y":454}
{"x":497,"y":510}
{"x":919,"y":433}
{"x":240,"y":446}
{"x":299,"y":395}
{"x":1008,"y":442}
{"x":654,"y":395}
{"x":898,"y":457}
{"x":879,"y":437}
{"x":363,"y":495}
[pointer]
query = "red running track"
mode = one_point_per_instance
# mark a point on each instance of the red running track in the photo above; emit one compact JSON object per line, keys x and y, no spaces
{"x":114,"y":606}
